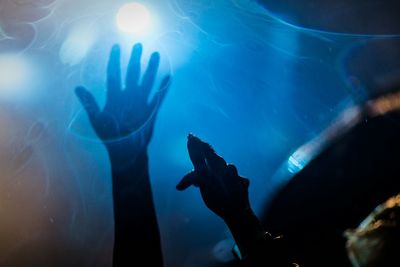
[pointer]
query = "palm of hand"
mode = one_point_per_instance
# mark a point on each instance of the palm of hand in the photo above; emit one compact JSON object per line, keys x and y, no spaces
{"x":127,"y":110}
{"x":223,"y":191}
{"x":229,"y":198}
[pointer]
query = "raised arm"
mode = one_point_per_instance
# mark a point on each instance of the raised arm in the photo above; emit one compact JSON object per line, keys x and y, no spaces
{"x":125,"y":125}
{"x":226,"y":194}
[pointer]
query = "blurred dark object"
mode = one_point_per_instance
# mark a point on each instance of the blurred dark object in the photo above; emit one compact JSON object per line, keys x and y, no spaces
{"x":372,"y":68}
{"x":375,"y":243}
{"x":356,"y":171}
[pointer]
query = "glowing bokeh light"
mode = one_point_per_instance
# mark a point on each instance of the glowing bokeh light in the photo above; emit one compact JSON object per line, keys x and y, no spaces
{"x":15,"y":74}
{"x":133,"y":18}
{"x":78,"y":43}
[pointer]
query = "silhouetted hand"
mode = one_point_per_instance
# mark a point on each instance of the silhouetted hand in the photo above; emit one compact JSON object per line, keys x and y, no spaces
{"x":125,"y":125}
{"x":222,"y":189}
{"x":128,"y":115}
{"x":226,"y":194}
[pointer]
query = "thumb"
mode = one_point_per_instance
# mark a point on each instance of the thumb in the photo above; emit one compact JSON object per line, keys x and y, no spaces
{"x":189,"y":179}
{"x":88,"y":102}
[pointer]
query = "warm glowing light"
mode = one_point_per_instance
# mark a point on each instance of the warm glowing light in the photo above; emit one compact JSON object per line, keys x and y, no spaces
{"x":133,"y":18}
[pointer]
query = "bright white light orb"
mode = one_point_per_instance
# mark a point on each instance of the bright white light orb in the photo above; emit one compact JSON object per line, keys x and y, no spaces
{"x":15,"y":72}
{"x":133,"y":18}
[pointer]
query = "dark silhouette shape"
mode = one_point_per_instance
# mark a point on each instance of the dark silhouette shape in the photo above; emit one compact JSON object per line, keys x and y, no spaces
{"x":226,"y":194}
{"x":356,"y":171}
{"x":375,"y":243}
{"x":125,"y":126}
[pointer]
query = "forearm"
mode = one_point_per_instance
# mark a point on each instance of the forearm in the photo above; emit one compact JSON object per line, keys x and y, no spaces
{"x":136,"y":228}
{"x":246,"y":230}
{"x":257,"y":247}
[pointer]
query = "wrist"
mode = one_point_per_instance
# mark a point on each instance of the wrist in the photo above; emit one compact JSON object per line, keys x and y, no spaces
{"x":239,"y":216}
{"x":245,"y":222}
{"x":246,"y":230}
{"x":129,"y":168}
{"x":125,"y":154}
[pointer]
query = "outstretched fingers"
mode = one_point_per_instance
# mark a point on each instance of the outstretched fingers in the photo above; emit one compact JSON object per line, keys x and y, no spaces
{"x":154,"y":106}
{"x":196,"y":154}
{"x":114,"y":74}
{"x":88,"y":102}
{"x":160,"y":95}
{"x":216,"y":163}
{"x":150,"y":75}
{"x":200,"y":149}
{"x":134,"y":68}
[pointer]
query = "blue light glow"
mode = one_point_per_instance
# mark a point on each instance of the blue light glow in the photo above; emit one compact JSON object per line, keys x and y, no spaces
{"x":133,"y":18}
{"x":253,"y":85}
{"x":78,"y":43}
